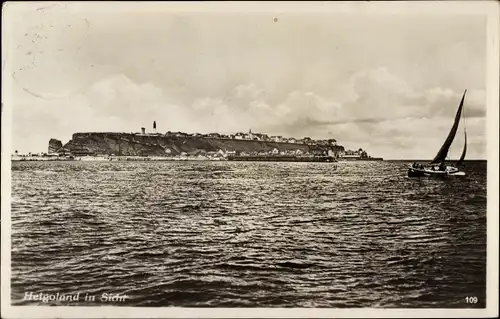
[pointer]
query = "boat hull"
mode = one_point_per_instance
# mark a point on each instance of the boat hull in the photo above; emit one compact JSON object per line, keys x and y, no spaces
{"x":429,"y":172}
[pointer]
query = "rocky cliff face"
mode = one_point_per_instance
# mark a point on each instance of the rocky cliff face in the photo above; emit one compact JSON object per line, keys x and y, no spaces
{"x":54,"y":145}
{"x":163,"y":145}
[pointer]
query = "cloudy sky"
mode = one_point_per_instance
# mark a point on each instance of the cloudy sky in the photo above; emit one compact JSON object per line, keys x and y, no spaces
{"x":388,"y":83}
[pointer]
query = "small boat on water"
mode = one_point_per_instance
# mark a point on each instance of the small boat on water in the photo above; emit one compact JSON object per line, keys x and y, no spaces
{"x":438,"y":167}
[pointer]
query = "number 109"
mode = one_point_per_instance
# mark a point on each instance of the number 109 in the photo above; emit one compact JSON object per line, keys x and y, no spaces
{"x":471,"y":299}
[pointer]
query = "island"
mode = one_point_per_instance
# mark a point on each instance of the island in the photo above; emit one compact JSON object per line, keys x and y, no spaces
{"x":239,"y":146}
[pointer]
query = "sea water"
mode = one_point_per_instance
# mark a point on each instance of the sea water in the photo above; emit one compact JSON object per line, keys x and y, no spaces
{"x":246,"y":234}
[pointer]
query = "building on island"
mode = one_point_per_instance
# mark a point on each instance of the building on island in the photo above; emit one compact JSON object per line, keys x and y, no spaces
{"x":174,"y":143}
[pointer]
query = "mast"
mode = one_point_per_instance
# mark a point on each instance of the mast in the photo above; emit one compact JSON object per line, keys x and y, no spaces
{"x":443,"y":151}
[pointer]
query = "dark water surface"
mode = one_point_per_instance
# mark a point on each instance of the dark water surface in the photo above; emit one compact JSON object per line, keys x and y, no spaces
{"x":243,"y":234}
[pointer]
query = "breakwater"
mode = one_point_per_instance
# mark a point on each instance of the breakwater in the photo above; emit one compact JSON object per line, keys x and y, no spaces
{"x":361,"y":159}
{"x":282,"y":158}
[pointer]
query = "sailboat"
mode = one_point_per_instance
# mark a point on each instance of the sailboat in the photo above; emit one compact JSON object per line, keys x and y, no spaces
{"x":438,"y":166}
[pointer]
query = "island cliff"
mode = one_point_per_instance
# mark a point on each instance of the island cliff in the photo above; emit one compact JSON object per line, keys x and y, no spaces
{"x":154,"y":144}
{"x":54,"y":145}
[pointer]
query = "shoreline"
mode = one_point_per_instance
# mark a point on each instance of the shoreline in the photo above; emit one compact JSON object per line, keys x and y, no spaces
{"x":176,"y":159}
{"x":164,"y":159}
{"x":111,"y":159}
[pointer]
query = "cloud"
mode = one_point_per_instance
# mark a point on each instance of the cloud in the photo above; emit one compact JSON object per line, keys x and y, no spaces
{"x":305,"y":75}
{"x":384,"y":114}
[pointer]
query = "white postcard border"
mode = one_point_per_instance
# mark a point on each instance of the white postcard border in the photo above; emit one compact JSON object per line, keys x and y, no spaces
{"x":487,"y":8}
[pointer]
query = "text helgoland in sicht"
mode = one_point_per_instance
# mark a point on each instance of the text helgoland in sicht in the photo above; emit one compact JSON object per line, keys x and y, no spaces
{"x":58,"y":297}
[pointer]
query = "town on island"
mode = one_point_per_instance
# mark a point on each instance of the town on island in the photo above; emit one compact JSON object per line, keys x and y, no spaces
{"x":151,"y":146}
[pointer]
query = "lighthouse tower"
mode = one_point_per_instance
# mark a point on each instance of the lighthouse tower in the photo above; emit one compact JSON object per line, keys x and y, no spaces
{"x":154,"y":126}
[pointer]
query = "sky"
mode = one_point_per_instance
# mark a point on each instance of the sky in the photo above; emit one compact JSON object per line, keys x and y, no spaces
{"x":387,"y":83}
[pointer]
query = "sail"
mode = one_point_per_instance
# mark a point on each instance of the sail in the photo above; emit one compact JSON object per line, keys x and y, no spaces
{"x":443,"y":151}
{"x":461,"y":160}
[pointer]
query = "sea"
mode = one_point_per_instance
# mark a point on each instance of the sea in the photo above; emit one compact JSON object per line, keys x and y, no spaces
{"x":246,"y":234}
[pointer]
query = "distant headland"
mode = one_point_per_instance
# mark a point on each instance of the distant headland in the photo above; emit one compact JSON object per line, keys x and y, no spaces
{"x":182,"y":145}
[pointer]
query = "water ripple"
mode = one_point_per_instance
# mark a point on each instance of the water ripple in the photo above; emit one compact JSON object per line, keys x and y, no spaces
{"x":227,"y":234}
